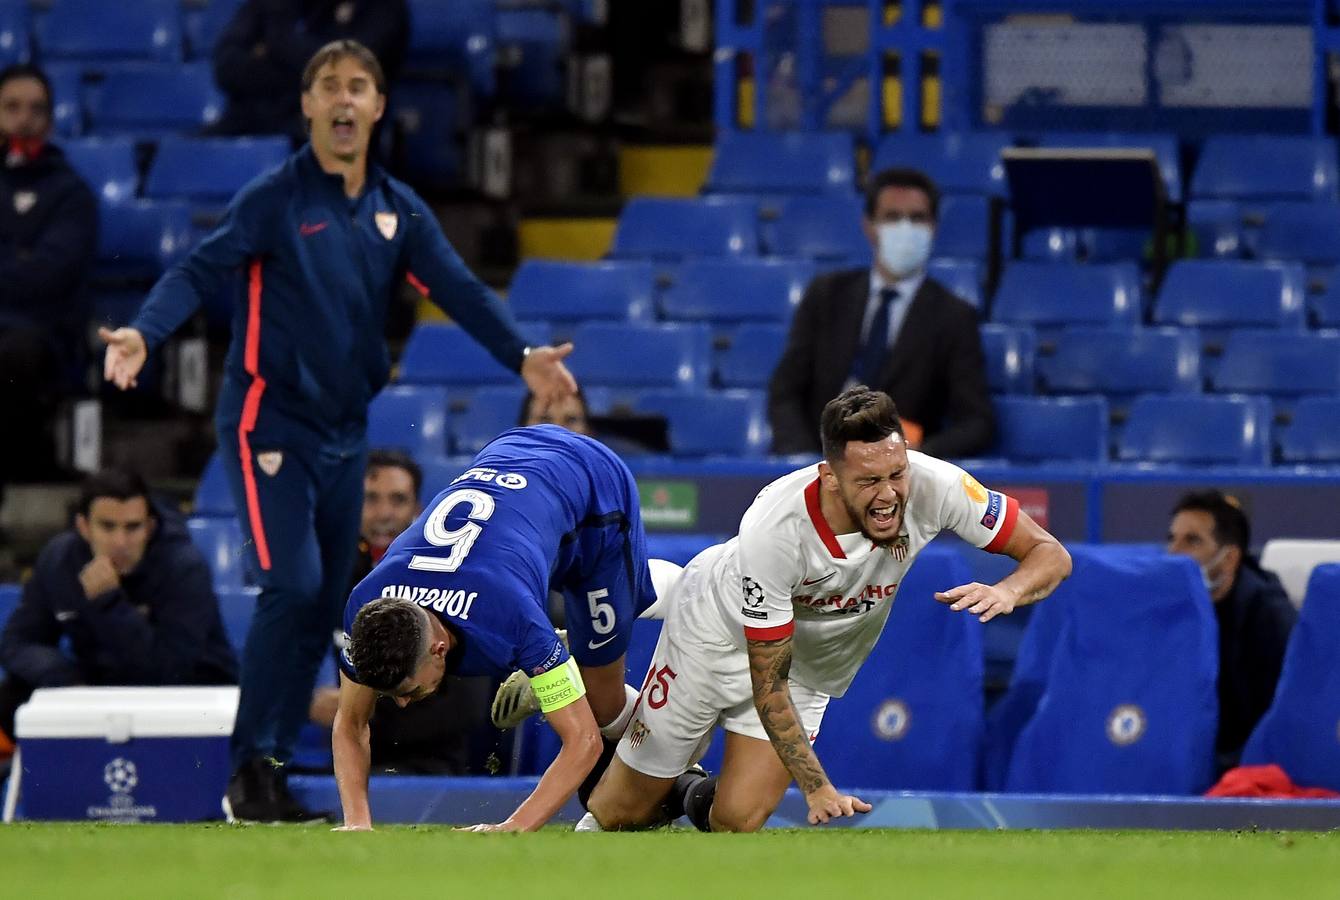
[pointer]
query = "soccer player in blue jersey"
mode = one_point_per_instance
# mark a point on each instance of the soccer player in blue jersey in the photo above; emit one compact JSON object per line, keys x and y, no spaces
{"x":320,"y":246}
{"x":464,"y":590}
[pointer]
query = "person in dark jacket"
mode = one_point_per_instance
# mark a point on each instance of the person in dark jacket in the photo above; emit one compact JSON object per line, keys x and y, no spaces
{"x":323,"y":242}
{"x":890,"y":327}
{"x":261,"y":54}
{"x":1254,"y":613}
{"x":48,"y":233}
{"x":130,"y":593}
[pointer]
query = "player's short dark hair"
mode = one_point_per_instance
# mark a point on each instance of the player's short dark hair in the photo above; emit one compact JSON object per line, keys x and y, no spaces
{"x":904,"y":178}
{"x":857,"y":414}
{"x":523,"y":415}
{"x":386,"y":642}
{"x":338,"y":50}
{"x":116,"y":484}
{"x":396,"y":459}
{"x":27,"y":70}
{"x":1231,"y":528}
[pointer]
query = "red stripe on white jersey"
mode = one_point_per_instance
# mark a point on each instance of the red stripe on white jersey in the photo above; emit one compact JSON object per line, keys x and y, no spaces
{"x":821,"y":526}
{"x":1007,"y":527}
{"x":775,"y":633}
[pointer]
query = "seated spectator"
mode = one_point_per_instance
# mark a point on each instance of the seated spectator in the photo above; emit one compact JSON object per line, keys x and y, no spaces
{"x":129,"y":592}
{"x":48,"y":234}
{"x":1251,"y":606}
{"x":268,"y":43}
{"x":627,"y":435}
{"x":448,"y":733}
{"x":892,"y":328}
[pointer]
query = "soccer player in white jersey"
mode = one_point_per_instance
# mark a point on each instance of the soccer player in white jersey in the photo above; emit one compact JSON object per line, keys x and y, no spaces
{"x":761,"y":631}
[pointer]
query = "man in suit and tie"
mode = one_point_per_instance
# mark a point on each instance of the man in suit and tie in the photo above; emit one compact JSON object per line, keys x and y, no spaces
{"x":892,"y":328}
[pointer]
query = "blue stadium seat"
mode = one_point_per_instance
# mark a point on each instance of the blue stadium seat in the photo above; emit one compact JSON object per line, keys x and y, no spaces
{"x":440,"y":471}
{"x":732,"y":423}
{"x":1117,"y":361}
{"x":154,"y":99}
{"x":1306,"y":232}
{"x":826,"y":228}
{"x":10,"y":594}
{"x":1052,"y":294}
{"x":714,"y":290}
{"x":912,"y":718}
{"x":1279,"y":363}
{"x":1130,"y":704}
{"x":1165,"y":148}
{"x":491,"y":411}
{"x":1299,"y":733}
{"x":1266,"y":167}
{"x":429,"y":121}
{"x":1051,"y":429}
{"x":411,"y":418}
{"x":453,"y":38}
{"x":213,"y":497}
{"x":751,"y":357}
{"x":962,"y":277}
{"x":1312,"y":435}
{"x":1324,"y":308}
{"x":573,"y":291}
{"x":14,"y":33}
{"x":533,"y":45}
{"x":220,"y":541}
{"x":236,"y":608}
{"x":210,"y":170}
{"x":97,"y":30}
{"x":67,"y":97}
{"x":1232,"y":294}
{"x":642,"y":356}
{"x":142,"y":238}
{"x":204,"y":27}
{"x":963,"y":230}
{"x":797,"y":162}
{"x":107,"y":165}
{"x":1216,"y":226}
{"x":1060,"y":245}
{"x":967,"y":162}
{"x":1011,"y":352}
{"x":1196,"y":430}
{"x":672,"y":228}
{"x":440,"y":353}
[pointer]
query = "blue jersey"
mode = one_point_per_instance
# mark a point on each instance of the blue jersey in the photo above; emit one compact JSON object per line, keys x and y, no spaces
{"x":540,"y":508}
{"x":319,"y":269}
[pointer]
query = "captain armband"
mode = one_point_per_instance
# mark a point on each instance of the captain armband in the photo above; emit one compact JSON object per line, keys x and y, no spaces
{"x":559,"y":687}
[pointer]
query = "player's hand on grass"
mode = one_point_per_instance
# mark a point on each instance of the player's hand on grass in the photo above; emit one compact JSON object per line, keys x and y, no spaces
{"x":490,"y":827}
{"x":986,"y":601}
{"x":126,"y":353}
{"x":826,"y":803}
{"x":352,"y":828}
{"x":546,"y":375}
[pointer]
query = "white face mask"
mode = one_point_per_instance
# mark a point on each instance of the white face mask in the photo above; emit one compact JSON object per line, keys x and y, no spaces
{"x":904,"y":247}
{"x":1213,"y":584}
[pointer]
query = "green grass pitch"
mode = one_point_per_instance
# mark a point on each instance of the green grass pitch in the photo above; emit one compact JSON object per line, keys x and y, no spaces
{"x":58,"y":860}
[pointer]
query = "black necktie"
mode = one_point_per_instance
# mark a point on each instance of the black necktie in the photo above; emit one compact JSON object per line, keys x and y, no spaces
{"x":870,"y":360}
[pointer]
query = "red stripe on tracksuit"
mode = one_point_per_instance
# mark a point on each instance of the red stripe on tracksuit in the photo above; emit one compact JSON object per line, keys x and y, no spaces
{"x":251,"y":408}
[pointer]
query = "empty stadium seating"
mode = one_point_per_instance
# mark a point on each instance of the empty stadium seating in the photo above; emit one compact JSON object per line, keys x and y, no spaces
{"x":209,"y":171}
{"x":1312,"y":435}
{"x":958,"y":162}
{"x":67,"y":89}
{"x":1231,"y":294}
{"x":220,"y":540}
{"x":1299,"y":731}
{"x":1279,"y":363}
{"x":730,"y":291}
{"x":141,"y":239}
{"x":963,"y":229}
{"x":446,"y":354}
{"x":1228,"y":430}
{"x":962,"y":277}
{"x":1307,"y":232}
{"x":1037,"y":429}
{"x":912,"y":719}
{"x":1130,"y":703}
{"x":107,"y":165}
{"x":155,"y":99}
{"x":1010,"y":351}
{"x":674,"y":228}
{"x":751,"y":355}
{"x":455,"y":39}
{"x":412,"y":418}
{"x":203,"y":27}
{"x":1216,"y":228}
{"x":641,"y":356}
{"x":1266,"y":167}
{"x":781,"y":163}
{"x":824,"y":228}
{"x":14,"y":33}
{"x":1122,"y":361}
{"x":1055,"y":294}
{"x":95,"y":31}
{"x":572,"y":292}
{"x":730,"y":423}
{"x":491,"y":411}
{"x":429,"y":117}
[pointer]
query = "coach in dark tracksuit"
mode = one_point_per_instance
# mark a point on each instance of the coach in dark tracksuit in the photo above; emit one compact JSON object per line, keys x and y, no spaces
{"x":323,"y":242}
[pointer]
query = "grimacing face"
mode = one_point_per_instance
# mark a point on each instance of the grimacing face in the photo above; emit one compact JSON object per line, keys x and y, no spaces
{"x":117,"y":529}
{"x":873,"y":480}
{"x":389,"y":505}
{"x":343,"y":104}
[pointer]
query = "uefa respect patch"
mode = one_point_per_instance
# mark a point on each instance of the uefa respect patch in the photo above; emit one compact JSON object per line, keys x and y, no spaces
{"x":995,"y":501}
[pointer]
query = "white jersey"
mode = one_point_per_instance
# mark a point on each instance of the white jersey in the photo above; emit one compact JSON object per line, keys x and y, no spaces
{"x":787,"y":573}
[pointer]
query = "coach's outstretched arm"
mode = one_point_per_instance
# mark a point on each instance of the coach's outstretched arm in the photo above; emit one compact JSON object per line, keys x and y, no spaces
{"x":1043,"y":564}
{"x":769,"y":667}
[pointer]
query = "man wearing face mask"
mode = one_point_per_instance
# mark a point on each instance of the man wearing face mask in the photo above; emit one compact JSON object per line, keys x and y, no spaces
{"x":1251,"y":606}
{"x":890,"y":327}
{"x":48,"y":230}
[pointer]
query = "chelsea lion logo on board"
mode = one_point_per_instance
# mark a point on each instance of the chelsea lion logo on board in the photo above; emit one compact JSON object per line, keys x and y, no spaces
{"x":1126,"y":724}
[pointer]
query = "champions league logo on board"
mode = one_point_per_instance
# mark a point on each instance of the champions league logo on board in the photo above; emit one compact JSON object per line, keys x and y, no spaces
{"x":121,"y":776}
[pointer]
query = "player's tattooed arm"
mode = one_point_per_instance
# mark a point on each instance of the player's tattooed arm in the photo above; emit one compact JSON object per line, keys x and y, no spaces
{"x":769,"y":666}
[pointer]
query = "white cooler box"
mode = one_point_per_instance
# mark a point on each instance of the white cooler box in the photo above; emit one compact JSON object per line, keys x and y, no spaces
{"x":145,"y":754}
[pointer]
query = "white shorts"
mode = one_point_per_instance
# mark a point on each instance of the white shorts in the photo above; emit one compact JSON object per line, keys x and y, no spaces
{"x":691,"y":687}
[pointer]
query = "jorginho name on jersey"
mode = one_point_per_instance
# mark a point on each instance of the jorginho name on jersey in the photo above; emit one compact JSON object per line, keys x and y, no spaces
{"x":788,"y":574}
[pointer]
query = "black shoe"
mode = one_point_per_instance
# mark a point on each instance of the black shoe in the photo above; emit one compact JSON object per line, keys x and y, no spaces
{"x":258,"y":792}
{"x":674,"y":801}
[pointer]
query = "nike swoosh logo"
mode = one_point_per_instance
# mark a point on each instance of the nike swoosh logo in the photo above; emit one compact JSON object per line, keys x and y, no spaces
{"x":592,"y":645}
{"x":811,"y":581}
{"x":308,"y":230}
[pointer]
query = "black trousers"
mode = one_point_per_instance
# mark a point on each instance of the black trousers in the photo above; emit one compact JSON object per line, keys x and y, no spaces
{"x":30,"y":380}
